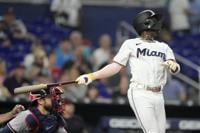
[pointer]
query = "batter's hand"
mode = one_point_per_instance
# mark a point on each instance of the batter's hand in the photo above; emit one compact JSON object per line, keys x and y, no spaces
{"x":172,"y":65}
{"x":86,"y":79}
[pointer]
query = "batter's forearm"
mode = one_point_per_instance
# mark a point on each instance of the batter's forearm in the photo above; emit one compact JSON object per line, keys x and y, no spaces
{"x":107,"y":71}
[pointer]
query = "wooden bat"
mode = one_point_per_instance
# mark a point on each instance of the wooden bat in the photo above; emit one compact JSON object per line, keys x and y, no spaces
{"x":25,"y":89}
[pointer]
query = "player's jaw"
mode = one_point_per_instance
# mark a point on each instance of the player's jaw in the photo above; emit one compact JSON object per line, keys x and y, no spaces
{"x":48,"y":104}
{"x":45,"y":105}
{"x":149,"y":35}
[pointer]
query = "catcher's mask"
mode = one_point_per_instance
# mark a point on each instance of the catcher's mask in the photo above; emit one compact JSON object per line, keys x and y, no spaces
{"x":56,"y":99}
{"x":56,"y":90}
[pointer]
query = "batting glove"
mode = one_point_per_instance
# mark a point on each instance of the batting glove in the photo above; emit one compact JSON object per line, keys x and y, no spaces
{"x":172,"y":66}
{"x":85,"y":79}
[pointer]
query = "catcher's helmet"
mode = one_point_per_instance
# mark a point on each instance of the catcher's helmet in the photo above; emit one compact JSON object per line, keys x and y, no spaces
{"x":147,"y":20}
{"x":37,"y":95}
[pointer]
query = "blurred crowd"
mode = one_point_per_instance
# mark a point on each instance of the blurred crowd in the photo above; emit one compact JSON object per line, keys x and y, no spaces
{"x":184,"y":18}
{"x":72,"y":57}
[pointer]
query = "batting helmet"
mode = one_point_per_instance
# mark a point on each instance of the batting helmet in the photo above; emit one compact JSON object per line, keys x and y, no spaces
{"x":147,"y":20}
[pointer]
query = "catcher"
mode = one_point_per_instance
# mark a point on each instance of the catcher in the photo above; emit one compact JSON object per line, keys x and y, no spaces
{"x":43,"y":116}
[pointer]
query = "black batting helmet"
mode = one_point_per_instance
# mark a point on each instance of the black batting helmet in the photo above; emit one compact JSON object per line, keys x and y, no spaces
{"x":147,"y":20}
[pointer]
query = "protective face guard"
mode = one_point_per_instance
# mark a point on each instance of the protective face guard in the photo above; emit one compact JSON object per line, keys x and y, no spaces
{"x":56,"y":99}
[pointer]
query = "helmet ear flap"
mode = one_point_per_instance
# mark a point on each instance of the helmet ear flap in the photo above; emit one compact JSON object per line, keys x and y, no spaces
{"x":149,"y":23}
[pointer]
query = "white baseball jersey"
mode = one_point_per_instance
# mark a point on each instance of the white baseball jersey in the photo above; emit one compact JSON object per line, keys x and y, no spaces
{"x":144,"y":59}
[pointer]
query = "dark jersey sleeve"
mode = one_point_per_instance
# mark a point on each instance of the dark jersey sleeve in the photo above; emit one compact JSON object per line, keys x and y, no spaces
{"x":7,"y":129}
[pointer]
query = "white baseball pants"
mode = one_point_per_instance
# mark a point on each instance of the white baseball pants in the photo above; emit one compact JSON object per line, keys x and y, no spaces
{"x":149,"y":109}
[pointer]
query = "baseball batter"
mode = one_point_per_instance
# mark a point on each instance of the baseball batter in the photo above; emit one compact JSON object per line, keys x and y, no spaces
{"x":149,"y":61}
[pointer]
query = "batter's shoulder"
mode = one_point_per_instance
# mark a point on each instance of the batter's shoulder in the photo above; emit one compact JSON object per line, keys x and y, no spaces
{"x":164,"y":44}
{"x":132,"y":42}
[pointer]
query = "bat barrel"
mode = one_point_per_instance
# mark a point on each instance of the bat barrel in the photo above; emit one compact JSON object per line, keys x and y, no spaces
{"x":29,"y":88}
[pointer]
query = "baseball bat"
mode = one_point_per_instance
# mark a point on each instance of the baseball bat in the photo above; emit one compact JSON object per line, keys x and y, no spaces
{"x":25,"y":89}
